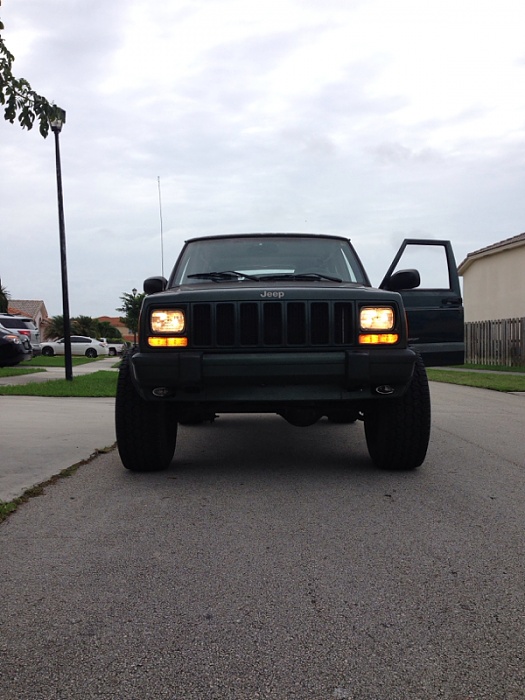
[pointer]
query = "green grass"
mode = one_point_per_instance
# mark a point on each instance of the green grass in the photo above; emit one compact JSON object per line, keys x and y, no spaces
{"x":18,"y":371}
{"x":496,"y":382}
{"x":39,"y":364}
{"x":98,"y":384}
{"x":495,"y":368}
{"x":59,"y":361}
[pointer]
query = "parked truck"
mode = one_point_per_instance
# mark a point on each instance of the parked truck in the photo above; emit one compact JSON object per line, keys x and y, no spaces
{"x":115,"y":348}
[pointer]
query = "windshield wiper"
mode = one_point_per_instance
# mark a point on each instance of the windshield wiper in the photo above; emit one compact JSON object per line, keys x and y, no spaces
{"x":221,"y":276}
{"x":300,"y":276}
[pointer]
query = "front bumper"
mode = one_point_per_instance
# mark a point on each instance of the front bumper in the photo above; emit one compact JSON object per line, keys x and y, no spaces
{"x":271,"y":376}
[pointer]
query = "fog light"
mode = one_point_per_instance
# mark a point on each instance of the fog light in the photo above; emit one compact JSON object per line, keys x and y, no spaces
{"x":161,"y":392}
{"x":385,"y":389}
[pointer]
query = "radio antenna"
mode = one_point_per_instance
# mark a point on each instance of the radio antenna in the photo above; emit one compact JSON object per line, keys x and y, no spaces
{"x":161,"y":230}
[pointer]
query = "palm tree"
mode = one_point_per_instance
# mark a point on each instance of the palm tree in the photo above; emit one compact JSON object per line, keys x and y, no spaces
{"x":131,"y":308}
{"x":104,"y":329}
{"x":53,"y":328}
{"x":4,"y":298}
{"x":84,"y":325}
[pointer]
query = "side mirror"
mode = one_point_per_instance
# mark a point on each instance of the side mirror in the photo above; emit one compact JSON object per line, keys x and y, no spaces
{"x":152,"y":285}
{"x":404,"y":279}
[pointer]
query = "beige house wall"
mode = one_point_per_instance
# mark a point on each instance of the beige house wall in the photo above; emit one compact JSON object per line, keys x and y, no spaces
{"x":494,"y":285}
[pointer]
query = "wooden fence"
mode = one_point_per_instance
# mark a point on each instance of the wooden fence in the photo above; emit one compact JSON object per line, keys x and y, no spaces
{"x":499,"y":342}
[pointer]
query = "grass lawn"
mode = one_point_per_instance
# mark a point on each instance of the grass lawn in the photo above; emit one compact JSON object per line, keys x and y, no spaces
{"x":494,"y":368}
{"x":17,"y":371}
{"x":39,"y":364}
{"x":59,"y":361}
{"x":98,"y":384}
{"x":483,"y":380}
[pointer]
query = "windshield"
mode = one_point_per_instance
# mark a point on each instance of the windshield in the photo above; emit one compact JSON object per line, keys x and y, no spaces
{"x":302,"y":258}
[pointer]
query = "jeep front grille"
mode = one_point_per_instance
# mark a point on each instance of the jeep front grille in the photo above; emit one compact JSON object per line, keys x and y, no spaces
{"x":270,"y":324}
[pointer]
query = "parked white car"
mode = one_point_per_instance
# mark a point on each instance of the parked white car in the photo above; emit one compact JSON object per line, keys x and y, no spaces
{"x":80,"y":345}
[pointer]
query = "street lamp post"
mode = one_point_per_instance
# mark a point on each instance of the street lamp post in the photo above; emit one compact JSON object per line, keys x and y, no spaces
{"x":56,"y":128}
{"x":134,"y":292}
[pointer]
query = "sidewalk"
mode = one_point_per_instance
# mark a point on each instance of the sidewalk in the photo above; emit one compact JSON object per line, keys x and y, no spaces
{"x":41,"y":436}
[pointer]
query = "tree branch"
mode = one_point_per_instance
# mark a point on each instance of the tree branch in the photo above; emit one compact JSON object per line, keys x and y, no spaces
{"x":20,"y":100}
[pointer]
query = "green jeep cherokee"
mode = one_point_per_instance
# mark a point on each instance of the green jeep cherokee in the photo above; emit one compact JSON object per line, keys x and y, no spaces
{"x":290,"y":324}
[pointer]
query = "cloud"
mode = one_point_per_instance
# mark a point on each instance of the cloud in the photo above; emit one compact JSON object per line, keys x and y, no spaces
{"x":368,"y":119}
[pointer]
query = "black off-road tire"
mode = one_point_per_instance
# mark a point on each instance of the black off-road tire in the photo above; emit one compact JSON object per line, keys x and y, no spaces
{"x":146,"y":434}
{"x":398,"y":430}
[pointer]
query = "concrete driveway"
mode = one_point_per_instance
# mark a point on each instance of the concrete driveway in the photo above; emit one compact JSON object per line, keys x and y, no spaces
{"x":39,"y":436}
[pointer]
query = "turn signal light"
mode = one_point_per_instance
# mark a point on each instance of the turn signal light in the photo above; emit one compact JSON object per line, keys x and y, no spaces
{"x":378,"y":338}
{"x":164,"y":342}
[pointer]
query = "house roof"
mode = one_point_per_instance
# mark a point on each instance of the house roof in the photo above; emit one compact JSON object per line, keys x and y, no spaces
{"x":27,"y":307}
{"x":506,"y":244}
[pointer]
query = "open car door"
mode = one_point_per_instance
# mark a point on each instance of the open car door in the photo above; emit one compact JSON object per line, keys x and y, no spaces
{"x":434,"y":308}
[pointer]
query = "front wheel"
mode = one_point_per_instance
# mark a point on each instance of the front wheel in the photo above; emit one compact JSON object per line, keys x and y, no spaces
{"x":146,"y":435}
{"x":48,"y":352}
{"x":398,"y":430}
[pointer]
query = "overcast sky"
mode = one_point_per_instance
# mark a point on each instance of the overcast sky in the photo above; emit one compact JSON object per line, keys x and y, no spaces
{"x":372,"y":119}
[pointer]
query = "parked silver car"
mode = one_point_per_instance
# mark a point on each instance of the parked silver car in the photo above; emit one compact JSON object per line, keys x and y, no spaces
{"x":23,"y":325}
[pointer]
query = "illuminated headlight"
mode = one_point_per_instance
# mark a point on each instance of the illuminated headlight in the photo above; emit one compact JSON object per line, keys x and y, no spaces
{"x":376,"y":318}
{"x":167,"y":321}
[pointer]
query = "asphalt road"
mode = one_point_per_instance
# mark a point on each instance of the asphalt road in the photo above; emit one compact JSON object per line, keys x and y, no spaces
{"x":276,"y":562}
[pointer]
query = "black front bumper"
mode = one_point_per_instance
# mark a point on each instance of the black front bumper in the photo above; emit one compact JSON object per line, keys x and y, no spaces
{"x":257,"y":377}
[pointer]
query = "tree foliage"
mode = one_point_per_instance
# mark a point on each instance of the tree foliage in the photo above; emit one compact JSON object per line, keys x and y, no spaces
{"x":106,"y":330}
{"x":4,"y":299}
{"x":84,"y":325}
{"x":53,"y":328}
{"x":131,"y":304}
{"x":20,"y":101}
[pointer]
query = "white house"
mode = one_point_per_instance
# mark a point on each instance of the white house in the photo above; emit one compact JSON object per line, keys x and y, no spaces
{"x":494,"y":281}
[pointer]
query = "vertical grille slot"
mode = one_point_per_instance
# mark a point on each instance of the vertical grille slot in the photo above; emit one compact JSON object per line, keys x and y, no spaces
{"x":273,"y":323}
{"x":225,"y":325}
{"x":249,"y":323}
{"x":343,"y":323}
{"x":201,"y":327}
{"x":296,"y":323}
{"x":320,"y":323}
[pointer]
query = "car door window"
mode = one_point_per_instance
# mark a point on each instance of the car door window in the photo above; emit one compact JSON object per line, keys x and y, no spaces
{"x":431,"y":263}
